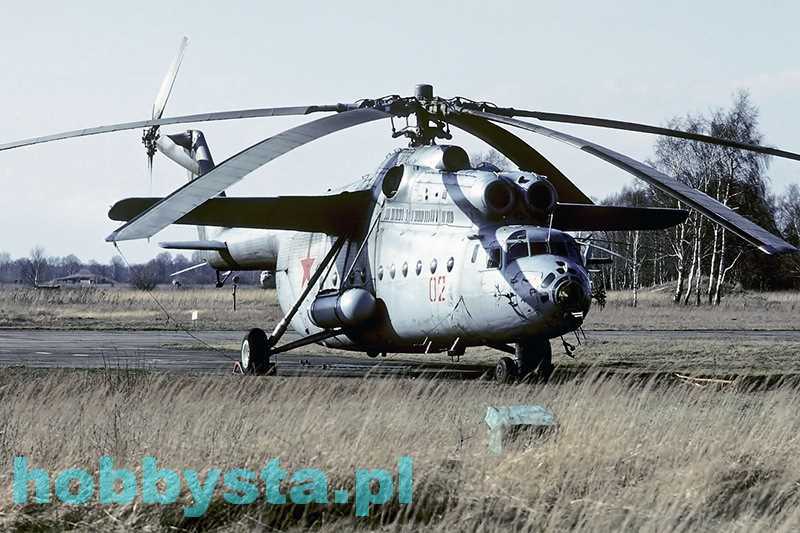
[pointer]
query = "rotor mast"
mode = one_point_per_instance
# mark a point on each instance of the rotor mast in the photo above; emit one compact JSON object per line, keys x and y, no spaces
{"x":429,"y":112}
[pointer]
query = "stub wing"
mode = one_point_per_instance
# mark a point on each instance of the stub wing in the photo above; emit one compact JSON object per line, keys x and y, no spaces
{"x":336,"y":214}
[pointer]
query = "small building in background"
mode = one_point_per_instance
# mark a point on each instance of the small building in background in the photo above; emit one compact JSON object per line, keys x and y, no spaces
{"x":84,"y":277}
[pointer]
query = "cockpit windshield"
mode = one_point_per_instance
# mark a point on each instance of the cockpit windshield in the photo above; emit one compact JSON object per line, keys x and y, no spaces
{"x":524,"y":243}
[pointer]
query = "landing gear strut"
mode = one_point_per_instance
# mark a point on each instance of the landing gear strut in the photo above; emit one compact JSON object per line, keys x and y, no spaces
{"x":257,"y":346}
{"x":535,"y":359}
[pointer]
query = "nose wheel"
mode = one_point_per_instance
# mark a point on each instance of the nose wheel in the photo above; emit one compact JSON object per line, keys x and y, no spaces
{"x":505,"y":372}
{"x":533,"y":362}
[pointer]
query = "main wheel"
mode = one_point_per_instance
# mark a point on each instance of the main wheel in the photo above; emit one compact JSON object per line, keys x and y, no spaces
{"x":254,"y":357}
{"x":505,"y":371}
{"x":535,"y":358}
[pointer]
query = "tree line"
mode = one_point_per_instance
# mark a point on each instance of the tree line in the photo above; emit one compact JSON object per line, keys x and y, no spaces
{"x":699,"y":259}
{"x":39,"y":269}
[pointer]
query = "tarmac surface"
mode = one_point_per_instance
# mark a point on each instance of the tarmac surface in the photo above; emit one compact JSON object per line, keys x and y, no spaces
{"x":157,"y":350}
{"x":178,"y":352}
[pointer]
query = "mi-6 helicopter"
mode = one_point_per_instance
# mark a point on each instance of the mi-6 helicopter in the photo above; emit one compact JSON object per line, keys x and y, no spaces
{"x":431,"y":252}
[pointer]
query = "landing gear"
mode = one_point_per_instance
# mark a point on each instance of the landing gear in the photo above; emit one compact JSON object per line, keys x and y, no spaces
{"x":505,"y":372}
{"x":255,"y":353}
{"x":535,"y":359}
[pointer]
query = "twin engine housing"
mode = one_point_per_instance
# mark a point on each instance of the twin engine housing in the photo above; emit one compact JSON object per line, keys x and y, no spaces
{"x":498,"y":195}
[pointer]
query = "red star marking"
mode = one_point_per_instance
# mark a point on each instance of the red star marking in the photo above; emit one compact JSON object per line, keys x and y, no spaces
{"x":306,"y":264}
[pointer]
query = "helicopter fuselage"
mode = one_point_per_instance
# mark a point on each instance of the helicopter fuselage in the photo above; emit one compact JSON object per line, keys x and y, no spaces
{"x":445,"y":255}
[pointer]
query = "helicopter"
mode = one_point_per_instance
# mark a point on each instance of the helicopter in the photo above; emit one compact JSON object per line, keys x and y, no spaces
{"x":429,"y":253}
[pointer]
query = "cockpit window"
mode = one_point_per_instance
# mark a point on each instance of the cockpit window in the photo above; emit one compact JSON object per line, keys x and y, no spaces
{"x":524,"y":244}
{"x":517,"y":246}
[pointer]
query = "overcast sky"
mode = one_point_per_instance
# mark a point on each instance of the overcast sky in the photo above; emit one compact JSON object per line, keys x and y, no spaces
{"x":78,"y":64}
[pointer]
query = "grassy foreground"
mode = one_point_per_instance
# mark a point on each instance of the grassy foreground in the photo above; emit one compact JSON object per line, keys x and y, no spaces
{"x":638,"y":456}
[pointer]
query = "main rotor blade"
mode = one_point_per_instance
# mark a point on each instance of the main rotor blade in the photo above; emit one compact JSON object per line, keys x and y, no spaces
{"x":202,"y":117}
{"x":169,"y":80}
{"x":642,"y":128}
{"x":519,"y":153}
{"x":750,"y":232}
{"x":210,"y":184}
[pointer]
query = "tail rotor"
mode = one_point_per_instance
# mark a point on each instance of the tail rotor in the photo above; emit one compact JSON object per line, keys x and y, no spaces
{"x":151,"y":135}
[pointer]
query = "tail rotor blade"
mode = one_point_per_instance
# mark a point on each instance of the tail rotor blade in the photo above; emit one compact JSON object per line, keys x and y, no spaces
{"x":169,"y":80}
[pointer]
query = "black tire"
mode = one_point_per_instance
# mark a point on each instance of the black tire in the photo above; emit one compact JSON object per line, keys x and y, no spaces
{"x":254,"y":355}
{"x":505,"y":372}
{"x":373,"y":354}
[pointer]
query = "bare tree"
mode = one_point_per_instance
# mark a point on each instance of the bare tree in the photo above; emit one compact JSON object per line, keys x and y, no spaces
{"x":734,"y":177}
{"x":35,"y":267}
{"x":494,"y":158}
{"x":144,"y":277}
{"x":789,"y":213}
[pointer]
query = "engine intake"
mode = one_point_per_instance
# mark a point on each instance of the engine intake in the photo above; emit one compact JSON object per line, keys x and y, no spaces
{"x":494,"y":197}
{"x":540,"y":197}
{"x":440,"y":157}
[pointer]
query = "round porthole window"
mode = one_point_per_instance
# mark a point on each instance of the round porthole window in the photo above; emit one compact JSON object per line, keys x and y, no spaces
{"x":380,"y":273}
{"x":392,"y":271}
{"x":450,"y":263}
{"x":434,"y":264}
{"x":419,"y":267}
{"x":405,"y":269}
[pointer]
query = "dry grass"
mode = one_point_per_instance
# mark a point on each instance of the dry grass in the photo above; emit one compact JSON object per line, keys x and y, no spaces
{"x":123,"y":308}
{"x":645,"y":457}
{"x":761,"y":311}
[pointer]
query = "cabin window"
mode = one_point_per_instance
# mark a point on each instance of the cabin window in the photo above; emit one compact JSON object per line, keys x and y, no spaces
{"x":434,"y":264}
{"x":392,"y":271}
{"x":419,"y":267}
{"x":363,"y":275}
{"x":493,"y":258}
{"x":450,"y":263}
{"x":405,"y":269}
{"x":335,"y":279}
{"x":475,"y":252}
{"x":380,"y":274}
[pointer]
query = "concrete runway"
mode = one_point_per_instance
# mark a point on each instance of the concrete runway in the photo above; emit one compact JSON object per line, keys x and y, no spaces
{"x":157,"y":350}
